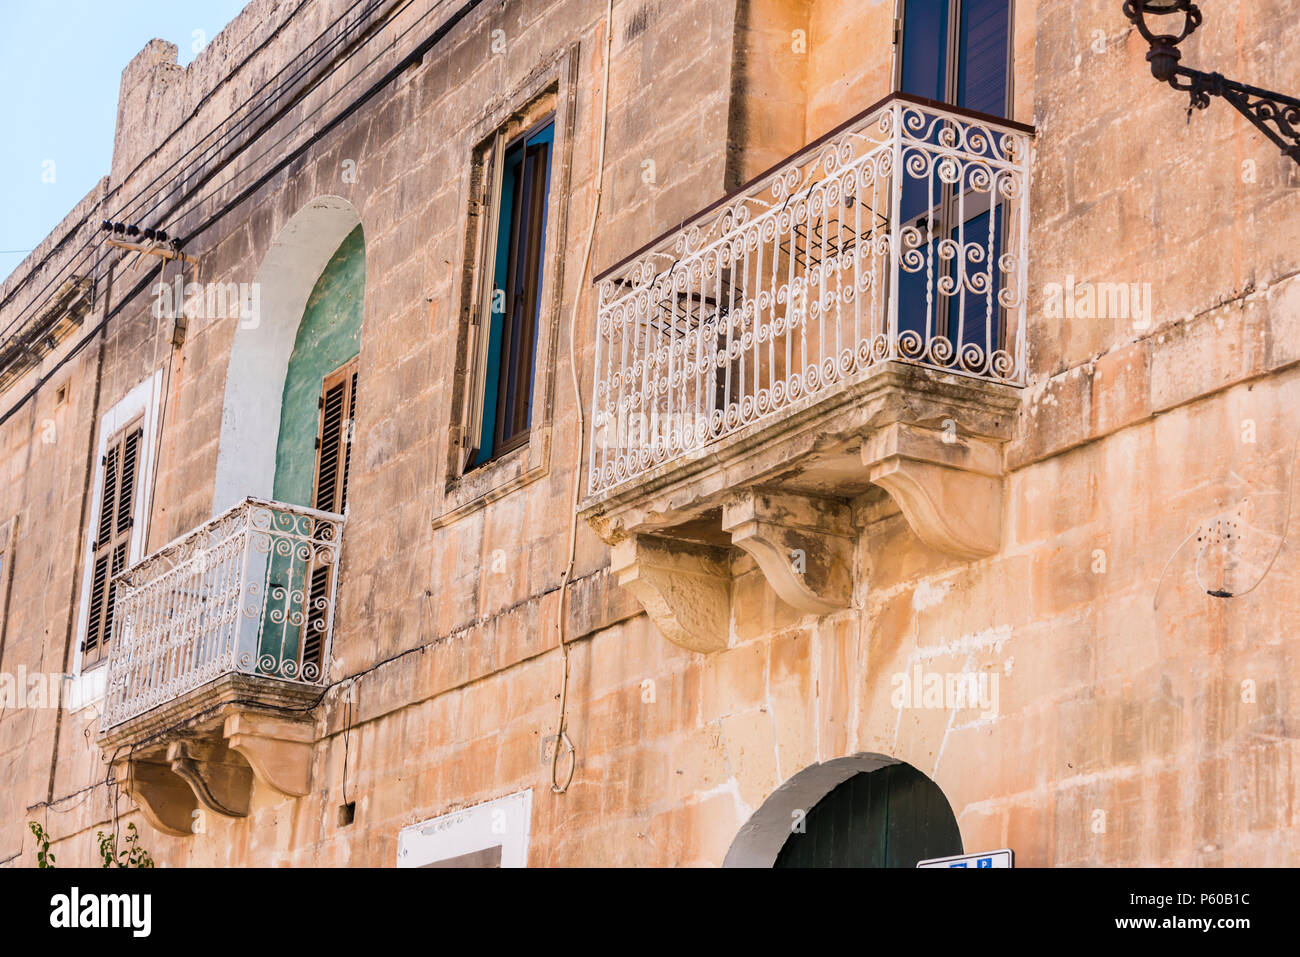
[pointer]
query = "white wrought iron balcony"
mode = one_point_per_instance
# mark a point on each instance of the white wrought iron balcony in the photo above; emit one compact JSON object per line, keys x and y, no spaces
{"x":901,"y":236}
{"x":850,"y":324}
{"x":249,"y":593}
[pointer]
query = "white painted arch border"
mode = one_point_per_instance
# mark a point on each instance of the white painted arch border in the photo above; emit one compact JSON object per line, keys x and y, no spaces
{"x":259,"y":358}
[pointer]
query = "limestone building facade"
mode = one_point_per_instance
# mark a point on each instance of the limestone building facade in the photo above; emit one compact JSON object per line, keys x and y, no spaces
{"x":648,"y":433}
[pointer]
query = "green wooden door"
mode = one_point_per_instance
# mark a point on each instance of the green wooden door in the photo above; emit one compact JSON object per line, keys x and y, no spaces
{"x":893,"y":817}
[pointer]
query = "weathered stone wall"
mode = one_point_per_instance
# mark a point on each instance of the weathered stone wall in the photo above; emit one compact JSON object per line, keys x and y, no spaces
{"x":1123,"y":733}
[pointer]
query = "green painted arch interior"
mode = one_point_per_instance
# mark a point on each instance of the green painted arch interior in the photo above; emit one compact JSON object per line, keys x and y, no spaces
{"x":329,"y":335}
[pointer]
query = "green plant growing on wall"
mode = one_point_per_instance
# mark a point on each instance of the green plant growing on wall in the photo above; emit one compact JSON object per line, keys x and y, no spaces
{"x":43,"y":856}
{"x":132,"y":855}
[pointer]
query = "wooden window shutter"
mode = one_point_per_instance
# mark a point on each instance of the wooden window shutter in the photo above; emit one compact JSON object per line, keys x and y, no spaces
{"x":338,"y":404}
{"x":333,"y":440}
{"x":348,"y":435}
{"x":112,"y":544}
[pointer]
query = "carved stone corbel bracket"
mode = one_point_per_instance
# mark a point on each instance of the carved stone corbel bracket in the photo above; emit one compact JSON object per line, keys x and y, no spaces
{"x":787,"y":489}
{"x":948,"y":486}
{"x":206,"y":747}
{"x":802,"y":544}
{"x":165,"y":800}
{"x":221,"y":785}
{"x":279,"y":751}
{"x":685,"y":588}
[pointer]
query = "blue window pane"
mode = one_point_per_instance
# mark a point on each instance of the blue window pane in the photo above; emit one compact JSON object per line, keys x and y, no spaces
{"x":967,"y":318}
{"x":978,"y":314}
{"x":924,"y":73}
{"x":921,"y":310}
{"x":982,"y":52}
{"x":925,"y":49}
{"x":538,"y":151}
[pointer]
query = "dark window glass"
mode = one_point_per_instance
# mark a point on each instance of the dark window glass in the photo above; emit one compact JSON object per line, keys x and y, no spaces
{"x":956,"y":51}
{"x":925,"y":49}
{"x":982,"y":56}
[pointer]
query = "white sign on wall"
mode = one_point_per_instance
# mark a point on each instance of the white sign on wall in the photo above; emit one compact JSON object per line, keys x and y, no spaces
{"x":1003,"y":858}
{"x":494,"y":834}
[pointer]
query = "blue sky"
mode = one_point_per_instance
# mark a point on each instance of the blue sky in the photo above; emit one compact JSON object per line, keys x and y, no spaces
{"x":61,"y":63}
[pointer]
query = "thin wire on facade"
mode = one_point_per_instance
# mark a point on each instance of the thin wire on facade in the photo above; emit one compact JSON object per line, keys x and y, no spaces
{"x":347,"y":735}
{"x":401,"y":67}
{"x":561,"y":731}
{"x":165,"y":176}
{"x":136,"y":201}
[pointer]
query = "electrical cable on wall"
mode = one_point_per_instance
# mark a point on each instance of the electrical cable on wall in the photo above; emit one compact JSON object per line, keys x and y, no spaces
{"x":178,"y":317}
{"x":347,"y":734}
{"x":561,"y":731}
{"x":85,"y":249}
{"x":111,"y":779}
{"x":127,"y":211}
{"x":329,"y":125}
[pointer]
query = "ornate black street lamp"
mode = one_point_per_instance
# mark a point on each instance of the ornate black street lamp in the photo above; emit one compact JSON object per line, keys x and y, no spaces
{"x":1275,"y":115}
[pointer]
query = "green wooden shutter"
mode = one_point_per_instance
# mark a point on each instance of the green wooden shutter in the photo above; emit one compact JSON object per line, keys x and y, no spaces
{"x":893,"y":817}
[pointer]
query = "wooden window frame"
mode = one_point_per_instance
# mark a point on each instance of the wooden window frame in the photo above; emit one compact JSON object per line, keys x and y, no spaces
{"x":495,"y":351}
{"x":320,"y":586}
{"x":551,"y":87}
{"x":343,"y":450}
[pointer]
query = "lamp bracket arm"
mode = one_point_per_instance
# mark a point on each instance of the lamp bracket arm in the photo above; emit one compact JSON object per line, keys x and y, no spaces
{"x":1275,"y":115}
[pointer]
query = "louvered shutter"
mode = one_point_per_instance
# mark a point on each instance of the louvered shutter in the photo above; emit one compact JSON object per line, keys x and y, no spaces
{"x":349,"y":427}
{"x":111,"y":548}
{"x":333,"y":464}
{"x":329,"y":442}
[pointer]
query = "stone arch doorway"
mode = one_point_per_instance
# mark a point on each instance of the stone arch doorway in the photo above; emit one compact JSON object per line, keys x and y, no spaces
{"x":868,"y":810}
{"x":304,"y":320}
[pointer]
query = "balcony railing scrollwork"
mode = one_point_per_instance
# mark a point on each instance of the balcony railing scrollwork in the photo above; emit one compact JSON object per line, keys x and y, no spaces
{"x":250,"y":592}
{"x":902,"y":236}
{"x":837,"y":341}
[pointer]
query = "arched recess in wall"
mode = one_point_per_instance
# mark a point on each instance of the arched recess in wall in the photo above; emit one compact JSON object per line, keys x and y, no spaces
{"x":867,"y":810}
{"x":259,"y":377}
